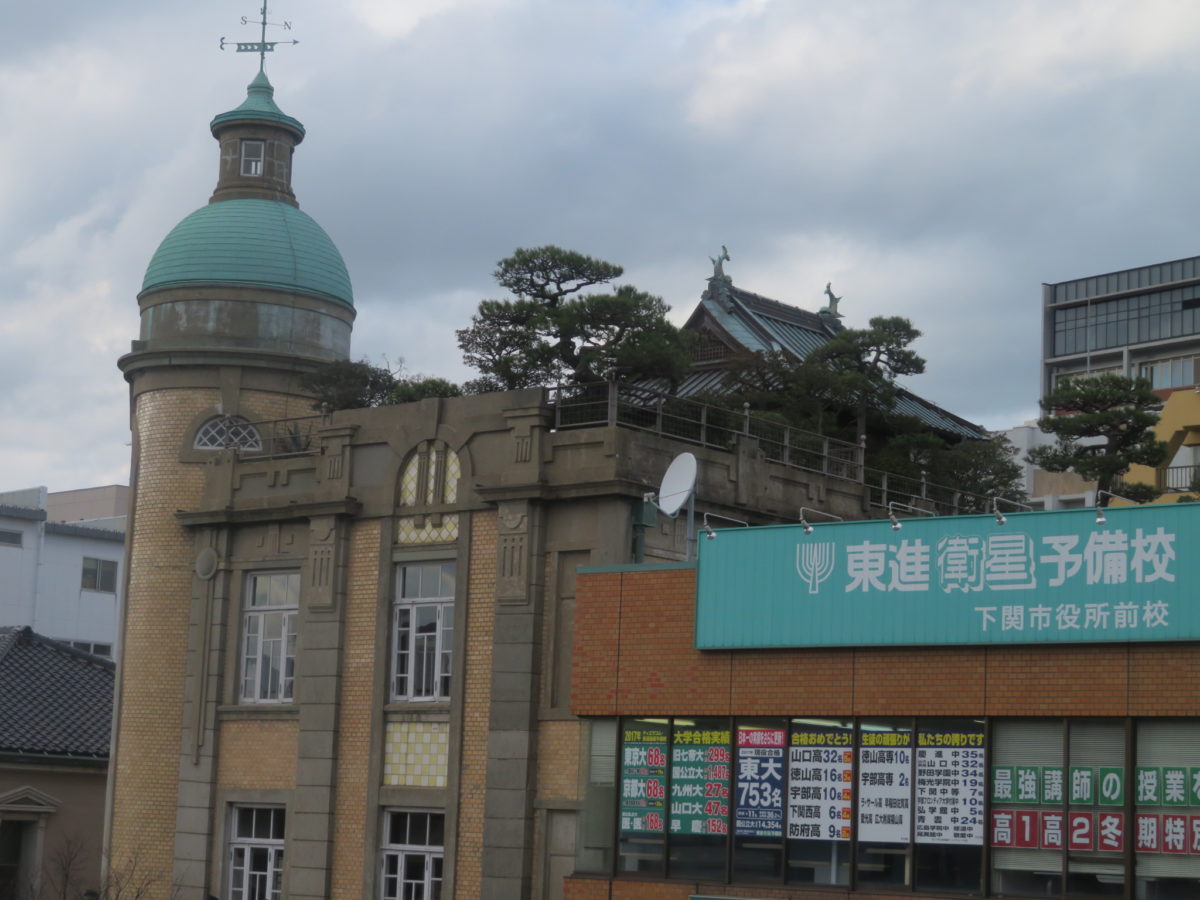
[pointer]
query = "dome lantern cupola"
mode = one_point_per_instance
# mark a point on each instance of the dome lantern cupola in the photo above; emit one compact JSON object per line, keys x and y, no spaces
{"x":249,"y":278}
{"x":257,"y":141}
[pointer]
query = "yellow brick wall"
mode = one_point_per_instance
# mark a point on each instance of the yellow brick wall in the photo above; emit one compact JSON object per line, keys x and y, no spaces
{"x":154,"y":630}
{"x":477,"y":670}
{"x":350,"y":854}
{"x":154,"y":638}
{"x":558,"y":760}
{"x":242,"y":763}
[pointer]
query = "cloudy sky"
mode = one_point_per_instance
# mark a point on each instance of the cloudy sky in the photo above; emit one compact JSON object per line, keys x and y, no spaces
{"x":936,"y":160}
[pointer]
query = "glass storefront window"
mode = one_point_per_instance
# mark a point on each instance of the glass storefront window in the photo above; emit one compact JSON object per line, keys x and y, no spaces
{"x":820,"y":801}
{"x":949,"y":805}
{"x":699,"y":814}
{"x":885,"y":779}
{"x":760,"y":769}
{"x":1095,"y":820}
{"x":1027,"y":781}
{"x":594,"y":842}
{"x":643,"y":796}
{"x":1166,"y":795}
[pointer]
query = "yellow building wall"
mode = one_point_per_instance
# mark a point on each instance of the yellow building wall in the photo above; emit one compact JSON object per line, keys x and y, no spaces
{"x":354,"y":715}
{"x":1179,"y":426}
{"x":477,"y":689}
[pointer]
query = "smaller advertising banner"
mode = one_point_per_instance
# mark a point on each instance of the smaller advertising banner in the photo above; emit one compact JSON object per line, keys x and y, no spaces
{"x":885,"y":786}
{"x":643,"y":777}
{"x":700,"y":762}
{"x":760,"y":770}
{"x":820,"y":783}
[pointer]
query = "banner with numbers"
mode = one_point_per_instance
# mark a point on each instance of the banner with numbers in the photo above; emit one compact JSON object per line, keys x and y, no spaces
{"x":884,"y":786}
{"x":700,"y":761}
{"x":760,"y":771}
{"x":950,"y":787}
{"x":643,"y":777}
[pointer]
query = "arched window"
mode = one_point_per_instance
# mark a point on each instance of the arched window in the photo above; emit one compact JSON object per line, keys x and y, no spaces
{"x":221,"y":432}
{"x":427,"y":491}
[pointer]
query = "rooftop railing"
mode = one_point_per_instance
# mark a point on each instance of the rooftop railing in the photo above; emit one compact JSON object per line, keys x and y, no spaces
{"x":690,"y":421}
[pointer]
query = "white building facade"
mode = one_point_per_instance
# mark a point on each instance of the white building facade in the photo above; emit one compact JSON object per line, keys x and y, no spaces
{"x":63,"y":579}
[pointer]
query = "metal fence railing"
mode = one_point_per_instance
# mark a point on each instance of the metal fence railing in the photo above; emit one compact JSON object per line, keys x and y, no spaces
{"x":647,"y":409}
{"x":1177,"y":479}
{"x":276,"y":437}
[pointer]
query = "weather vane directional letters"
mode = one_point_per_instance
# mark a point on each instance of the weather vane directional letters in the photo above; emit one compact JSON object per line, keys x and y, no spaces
{"x":262,"y":46}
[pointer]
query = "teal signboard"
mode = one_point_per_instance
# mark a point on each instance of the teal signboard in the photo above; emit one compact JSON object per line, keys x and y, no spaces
{"x":1043,"y":577}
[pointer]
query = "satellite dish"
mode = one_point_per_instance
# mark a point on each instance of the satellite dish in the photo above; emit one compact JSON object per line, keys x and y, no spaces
{"x":678,"y":483}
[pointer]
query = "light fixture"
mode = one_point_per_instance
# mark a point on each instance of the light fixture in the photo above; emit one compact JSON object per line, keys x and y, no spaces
{"x":808,"y":529}
{"x":708,"y":529}
{"x":1002,"y":519}
{"x":915,"y":510}
{"x":1101,"y":519}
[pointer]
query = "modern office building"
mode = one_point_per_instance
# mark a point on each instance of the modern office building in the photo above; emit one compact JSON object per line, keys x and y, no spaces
{"x":1142,"y":322}
{"x":1138,"y":322}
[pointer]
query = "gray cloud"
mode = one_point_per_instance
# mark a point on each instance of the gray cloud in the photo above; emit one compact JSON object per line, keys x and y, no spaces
{"x":937,"y":160}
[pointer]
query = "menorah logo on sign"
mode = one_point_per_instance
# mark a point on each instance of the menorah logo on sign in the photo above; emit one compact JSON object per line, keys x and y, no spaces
{"x":814,"y":563}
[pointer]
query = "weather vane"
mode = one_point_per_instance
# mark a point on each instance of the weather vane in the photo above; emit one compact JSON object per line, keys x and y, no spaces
{"x":262,"y":46}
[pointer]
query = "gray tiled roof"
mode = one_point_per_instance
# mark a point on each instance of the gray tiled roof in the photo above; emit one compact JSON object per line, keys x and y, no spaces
{"x":54,"y":700}
{"x":760,"y":324}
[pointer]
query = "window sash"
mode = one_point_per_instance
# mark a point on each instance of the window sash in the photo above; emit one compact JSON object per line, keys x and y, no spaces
{"x":423,"y":631}
{"x":413,"y":858}
{"x":269,"y":624}
{"x":99,"y":575}
{"x":253,"y":153}
{"x":422,"y":641}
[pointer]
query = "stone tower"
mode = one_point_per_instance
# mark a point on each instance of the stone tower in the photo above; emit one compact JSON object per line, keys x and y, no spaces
{"x":242,"y":298}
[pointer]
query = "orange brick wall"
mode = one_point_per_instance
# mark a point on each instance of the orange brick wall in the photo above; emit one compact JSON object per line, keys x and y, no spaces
{"x":634,"y":655}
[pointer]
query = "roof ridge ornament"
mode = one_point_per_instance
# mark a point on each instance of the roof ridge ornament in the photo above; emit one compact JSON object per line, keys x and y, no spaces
{"x":718,"y":268}
{"x":831,"y":309}
{"x":262,"y":46}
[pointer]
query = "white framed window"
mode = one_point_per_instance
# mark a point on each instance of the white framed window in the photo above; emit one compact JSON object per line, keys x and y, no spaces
{"x":99,"y":575}
{"x":221,"y":432}
{"x":92,"y":647}
{"x":413,"y":849}
{"x":256,"y":853}
{"x":423,"y":631}
{"x":252,"y":157}
{"x":270,"y":611}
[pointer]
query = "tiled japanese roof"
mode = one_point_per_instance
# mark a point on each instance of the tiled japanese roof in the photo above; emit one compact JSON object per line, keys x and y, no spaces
{"x":54,"y":700}
{"x":760,"y":324}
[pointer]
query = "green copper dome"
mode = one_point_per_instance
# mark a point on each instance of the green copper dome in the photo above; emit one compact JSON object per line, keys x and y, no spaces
{"x":251,"y":243}
{"x":259,"y":106}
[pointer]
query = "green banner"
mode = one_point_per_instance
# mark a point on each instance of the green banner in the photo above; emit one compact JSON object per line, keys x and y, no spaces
{"x":1040,"y":577}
